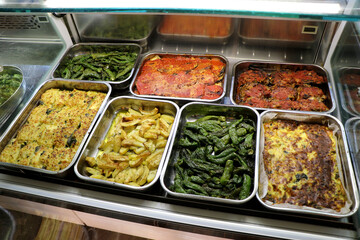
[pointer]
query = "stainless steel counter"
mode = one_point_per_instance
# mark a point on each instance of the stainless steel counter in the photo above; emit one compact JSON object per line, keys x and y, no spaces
{"x":36,"y":59}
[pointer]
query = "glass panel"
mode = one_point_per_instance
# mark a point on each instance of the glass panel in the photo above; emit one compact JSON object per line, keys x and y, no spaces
{"x":315,"y":9}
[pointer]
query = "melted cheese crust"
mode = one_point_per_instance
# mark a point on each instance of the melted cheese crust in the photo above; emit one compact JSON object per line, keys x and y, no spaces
{"x":54,"y":129}
{"x":300,"y":162}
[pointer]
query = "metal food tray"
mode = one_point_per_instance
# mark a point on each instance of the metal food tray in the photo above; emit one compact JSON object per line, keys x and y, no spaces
{"x":352,"y":128}
{"x":278,"y":42}
{"x":180,"y":100}
{"x":89,"y":34}
{"x":7,"y":107}
{"x":242,"y":66}
{"x":85,"y":48}
{"x":346,"y":99}
{"x":178,"y":37}
{"x":103,"y":126}
{"x":347,"y":172}
{"x":191,"y":112}
{"x":33,"y":102}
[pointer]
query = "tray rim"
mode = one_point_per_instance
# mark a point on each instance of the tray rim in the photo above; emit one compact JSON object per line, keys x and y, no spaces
{"x":206,"y":198}
{"x":180,"y":99}
{"x":232,"y":90}
{"x":114,"y":84}
{"x":161,"y":165}
{"x":197,"y":38}
{"x":355,"y":193}
{"x":24,"y":111}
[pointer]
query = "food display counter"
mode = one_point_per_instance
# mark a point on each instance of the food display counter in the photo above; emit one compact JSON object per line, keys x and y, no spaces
{"x":314,"y":51}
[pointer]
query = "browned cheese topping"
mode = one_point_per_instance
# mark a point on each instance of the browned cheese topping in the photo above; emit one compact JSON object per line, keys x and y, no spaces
{"x":300,"y":162}
{"x":54,"y":129}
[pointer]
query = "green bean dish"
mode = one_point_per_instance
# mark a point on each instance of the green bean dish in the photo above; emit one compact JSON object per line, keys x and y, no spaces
{"x":9,"y":83}
{"x":216,"y":158}
{"x":100,"y":64}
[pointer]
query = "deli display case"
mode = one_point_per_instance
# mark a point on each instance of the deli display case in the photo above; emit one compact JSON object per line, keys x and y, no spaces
{"x":303,"y":55}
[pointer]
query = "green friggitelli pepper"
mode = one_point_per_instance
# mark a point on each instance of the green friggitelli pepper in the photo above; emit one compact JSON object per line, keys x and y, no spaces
{"x":197,"y":179}
{"x":232,"y":131}
{"x":191,"y":135}
{"x":211,"y":126}
{"x":222,"y":160}
{"x":245,"y":188}
{"x":211,"y":117}
{"x":241,"y":131}
{"x":194,"y":186}
{"x":184,"y":142}
{"x":229,"y":167}
{"x":178,"y":186}
{"x":248,"y":143}
{"x":66,"y":73}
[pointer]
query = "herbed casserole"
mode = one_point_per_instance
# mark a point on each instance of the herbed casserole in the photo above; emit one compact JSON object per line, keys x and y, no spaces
{"x":300,"y":161}
{"x":54,"y":129}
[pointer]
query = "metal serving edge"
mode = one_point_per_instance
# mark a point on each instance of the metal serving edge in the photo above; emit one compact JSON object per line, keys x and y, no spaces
{"x":102,"y":127}
{"x":234,"y":81}
{"x":347,"y":170}
{"x":22,"y":116}
{"x":172,"y":154}
{"x":179,"y":99}
{"x":123,"y":84}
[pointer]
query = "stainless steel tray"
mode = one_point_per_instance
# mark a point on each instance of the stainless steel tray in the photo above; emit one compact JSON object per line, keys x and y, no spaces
{"x":349,"y":91}
{"x":352,"y":128}
{"x":180,"y":100}
{"x":178,"y":37}
{"x":347,"y":172}
{"x":85,"y":48}
{"x":7,"y":107}
{"x":270,"y":66}
{"x":103,"y":126}
{"x":33,"y":102}
{"x":108,"y":27}
{"x":191,"y":112}
{"x":279,"y":33}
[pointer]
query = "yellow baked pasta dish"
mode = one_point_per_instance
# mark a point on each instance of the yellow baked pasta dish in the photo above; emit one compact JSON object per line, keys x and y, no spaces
{"x":301,"y":165}
{"x":133,"y":147}
{"x":54,"y":129}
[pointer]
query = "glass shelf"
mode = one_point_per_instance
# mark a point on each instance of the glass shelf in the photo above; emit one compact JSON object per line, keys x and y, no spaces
{"x":334,"y":10}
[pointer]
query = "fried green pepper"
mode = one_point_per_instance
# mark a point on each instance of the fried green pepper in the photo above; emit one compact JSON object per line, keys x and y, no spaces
{"x":245,"y":188}
{"x":229,"y":167}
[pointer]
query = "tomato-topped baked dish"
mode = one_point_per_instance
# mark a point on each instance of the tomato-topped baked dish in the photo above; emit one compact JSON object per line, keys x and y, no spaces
{"x":182,"y":76}
{"x":282,"y":86}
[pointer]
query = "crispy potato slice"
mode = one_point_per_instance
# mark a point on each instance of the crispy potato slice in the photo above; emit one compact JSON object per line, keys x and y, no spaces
{"x":98,"y":177}
{"x":151,"y":176}
{"x":113,"y":156}
{"x":91,"y":161}
{"x":143,"y":178}
{"x":152,"y":112}
{"x":105,"y":162}
{"x":169,"y":119}
{"x":131,"y":142}
{"x":123,"y":150}
{"x":138,"y":159}
{"x":130,"y":123}
{"x":150,"y":145}
{"x":93,"y":171}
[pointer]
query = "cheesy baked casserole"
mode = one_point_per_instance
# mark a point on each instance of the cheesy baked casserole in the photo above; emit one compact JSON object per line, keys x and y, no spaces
{"x":54,"y":129}
{"x":301,"y":165}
